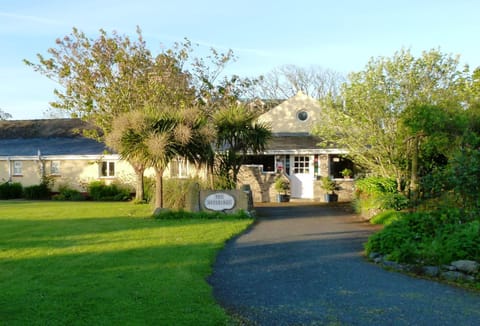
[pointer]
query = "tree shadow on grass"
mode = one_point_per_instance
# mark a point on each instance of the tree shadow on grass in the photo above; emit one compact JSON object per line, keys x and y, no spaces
{"x":157,"y":284}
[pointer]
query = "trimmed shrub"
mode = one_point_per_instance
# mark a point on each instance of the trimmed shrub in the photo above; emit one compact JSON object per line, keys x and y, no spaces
{"x":11,"y":190}
{"x":99,"y":191}
{"x":66,"y":193}
{"x":36,"y":192}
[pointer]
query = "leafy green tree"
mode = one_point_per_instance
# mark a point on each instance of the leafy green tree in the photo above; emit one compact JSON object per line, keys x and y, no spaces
{"x":367,"y":118}
{"x":432,"y":135}
{"x":238,"y":133}
{"x":103,"y":78}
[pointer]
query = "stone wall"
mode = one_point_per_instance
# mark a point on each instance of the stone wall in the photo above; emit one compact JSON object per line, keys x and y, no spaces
{"x":262,"y":185}
{"x":263,"y":190}
{"x":345,"y":189}
{"x":195,"y":201}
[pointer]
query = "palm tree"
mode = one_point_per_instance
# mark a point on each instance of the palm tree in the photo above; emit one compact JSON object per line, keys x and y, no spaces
{"x":161,"y":134}
{"x":238,"y":134}
{"x":126,"y":138}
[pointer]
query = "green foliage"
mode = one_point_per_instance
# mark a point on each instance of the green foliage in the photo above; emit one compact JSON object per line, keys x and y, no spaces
{"x":149,"y":189}
{"x":238,"y":133}
{"x":462,"y":243}
{"x":328,"y":184}
{"x":393,"y":105}
{"x":396,"y":201}
{"x":178,"y":191}
{"x":223,"y":181}
{"x":466,"y":180}
{"x":434,"y":238}
{"x":375,"y":186}
{"x":347,"y":172}
{"x":11,"y":190}
{"x":387,"y":217}
{"x":35,"y":192}
{"x":66,"y":193}
{"x":282,"y":184}
{"x":100,"y":191}
{"x":456,"y":184}
{"x":375,"y":194}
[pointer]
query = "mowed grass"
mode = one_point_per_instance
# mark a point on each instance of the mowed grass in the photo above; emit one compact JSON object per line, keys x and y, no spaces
{"x":85,"y":263}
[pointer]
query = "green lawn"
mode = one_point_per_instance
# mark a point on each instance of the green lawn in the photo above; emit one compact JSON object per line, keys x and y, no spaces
{"x":84,"y":263}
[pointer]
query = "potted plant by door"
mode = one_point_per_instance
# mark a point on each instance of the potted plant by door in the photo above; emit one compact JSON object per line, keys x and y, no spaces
{"x":282,"y":185}
{"x":347,"y":173}
{"x":329,"y":186}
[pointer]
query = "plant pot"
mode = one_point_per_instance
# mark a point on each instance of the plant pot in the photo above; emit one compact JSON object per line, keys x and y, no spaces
{"x":330,"y":198}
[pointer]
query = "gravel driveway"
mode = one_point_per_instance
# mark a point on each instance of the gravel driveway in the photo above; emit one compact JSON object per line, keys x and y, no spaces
{"x":302,"y":265}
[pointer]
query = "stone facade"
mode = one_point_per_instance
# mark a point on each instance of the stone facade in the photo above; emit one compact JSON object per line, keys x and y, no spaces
{"x":262,"y":185}
{"x":345,"y":189}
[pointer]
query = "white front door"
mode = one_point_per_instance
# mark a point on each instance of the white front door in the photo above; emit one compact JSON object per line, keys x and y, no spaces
{"x":301,"y":176}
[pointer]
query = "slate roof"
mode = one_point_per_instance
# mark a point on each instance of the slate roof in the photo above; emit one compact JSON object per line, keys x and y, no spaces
{"x":292,"y":142}
{"x":49,"y":136}
{"x":51,"y":146}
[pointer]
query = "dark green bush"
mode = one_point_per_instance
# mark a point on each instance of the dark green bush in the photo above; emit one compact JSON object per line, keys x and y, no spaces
{"x":149,"y":189}
{"x":463,"y":242}
{"x":35,"y":192}
{"x":387,"y":217}
{"x":66,"y":193}
{"x":396,"y":201}
{"x":100,"y":191}
{"x":375,"y":194}
{"x":437,"y":237}
{"x":375,"y":186}
{"x":11,"y":190}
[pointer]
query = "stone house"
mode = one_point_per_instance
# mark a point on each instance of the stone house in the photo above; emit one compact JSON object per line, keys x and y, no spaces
{"x":294,"y":153}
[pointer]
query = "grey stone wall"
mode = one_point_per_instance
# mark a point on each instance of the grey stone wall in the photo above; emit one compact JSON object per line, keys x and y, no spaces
{"x":345,"y":189}
{"x":261,"y":184}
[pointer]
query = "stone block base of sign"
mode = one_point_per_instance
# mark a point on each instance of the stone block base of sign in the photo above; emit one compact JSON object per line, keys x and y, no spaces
{"x":227,"y":201}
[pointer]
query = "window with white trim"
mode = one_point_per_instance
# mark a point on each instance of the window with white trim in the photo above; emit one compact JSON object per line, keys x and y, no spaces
{"x":17,"y":167}
{"x":301,"y":164}
{"x":55,"y":167}
{"x":179,"y":168}
{"x":107,"y":169}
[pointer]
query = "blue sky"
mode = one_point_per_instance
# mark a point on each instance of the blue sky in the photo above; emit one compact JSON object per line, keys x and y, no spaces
{"x":340,"y":35}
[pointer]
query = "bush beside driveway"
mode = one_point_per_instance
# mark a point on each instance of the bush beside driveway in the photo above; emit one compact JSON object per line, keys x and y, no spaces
{"x":303,"y":264}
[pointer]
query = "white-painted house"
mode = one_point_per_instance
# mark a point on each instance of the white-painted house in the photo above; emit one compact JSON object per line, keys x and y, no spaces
{"x":32,"y":149}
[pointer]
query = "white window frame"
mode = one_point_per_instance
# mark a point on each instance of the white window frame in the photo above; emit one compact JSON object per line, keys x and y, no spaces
{"x":301,"y":164}
{"x":108,"y":169}
{"x":55,"y":167}
{"x":179,"y":168}
{"x":17,"y":167}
